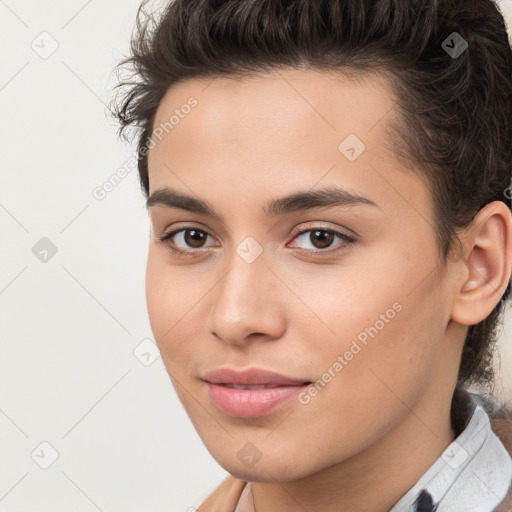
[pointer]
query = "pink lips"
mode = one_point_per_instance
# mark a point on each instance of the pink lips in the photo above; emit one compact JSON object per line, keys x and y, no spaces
{"x":275,"y":389}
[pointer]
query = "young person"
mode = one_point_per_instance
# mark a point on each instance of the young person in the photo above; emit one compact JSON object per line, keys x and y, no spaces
{"x":328,"y":186}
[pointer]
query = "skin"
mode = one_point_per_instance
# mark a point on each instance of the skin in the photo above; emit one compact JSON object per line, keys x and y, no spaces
{"x":387,"y":412}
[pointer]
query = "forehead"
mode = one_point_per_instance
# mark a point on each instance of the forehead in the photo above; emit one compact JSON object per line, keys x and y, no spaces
{"x":285,"y":103}
{"x":267,"y":133}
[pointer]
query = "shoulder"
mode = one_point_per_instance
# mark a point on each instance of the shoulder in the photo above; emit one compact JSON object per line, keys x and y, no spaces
{"x":225,"y":497}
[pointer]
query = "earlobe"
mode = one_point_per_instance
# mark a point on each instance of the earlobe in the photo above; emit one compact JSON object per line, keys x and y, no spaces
{"x":488,"y":264}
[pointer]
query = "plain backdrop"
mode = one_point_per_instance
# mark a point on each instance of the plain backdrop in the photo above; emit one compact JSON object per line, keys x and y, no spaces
{"x":89,"y":419}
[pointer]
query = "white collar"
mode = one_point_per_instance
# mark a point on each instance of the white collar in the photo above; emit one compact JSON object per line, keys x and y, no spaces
{"x":473,"y":474}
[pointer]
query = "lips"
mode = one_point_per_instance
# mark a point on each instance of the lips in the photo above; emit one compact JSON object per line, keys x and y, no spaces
{"x":252,"y":378}
{"x":251,"y":403}
{"x":250,"y":393}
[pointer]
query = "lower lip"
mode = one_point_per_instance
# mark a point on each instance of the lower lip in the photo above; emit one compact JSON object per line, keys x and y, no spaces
{"x":251,"y":403}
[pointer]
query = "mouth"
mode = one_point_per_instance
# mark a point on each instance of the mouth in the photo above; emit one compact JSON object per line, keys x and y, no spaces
{"x":251,"y":392}
{"x":251,"y":401}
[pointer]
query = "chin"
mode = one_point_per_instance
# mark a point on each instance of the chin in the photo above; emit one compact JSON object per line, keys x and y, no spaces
{"x":281,"y":468}
{"x":263,"y":473}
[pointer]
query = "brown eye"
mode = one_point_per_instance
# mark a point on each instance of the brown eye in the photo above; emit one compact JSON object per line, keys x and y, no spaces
{"x":195,"y":239}
{"x":322,"y":239}
{"x":192,"y":240}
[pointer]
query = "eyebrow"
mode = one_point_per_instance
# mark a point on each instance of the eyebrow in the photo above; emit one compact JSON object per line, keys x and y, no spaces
{"x":330,"y":197}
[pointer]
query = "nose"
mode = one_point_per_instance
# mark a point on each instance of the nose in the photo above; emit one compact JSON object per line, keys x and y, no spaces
{"x":248,"y":303}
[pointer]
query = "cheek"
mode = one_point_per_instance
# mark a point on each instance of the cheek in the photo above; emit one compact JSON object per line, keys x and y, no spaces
{"x":375,"y":383}
{"x":379,"y":342}
{"x":169,"y":298}
{"x":157,"y":296}
{"x":171,"y":291}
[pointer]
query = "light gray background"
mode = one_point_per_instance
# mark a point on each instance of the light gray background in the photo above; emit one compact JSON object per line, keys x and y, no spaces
{"x":75,"y":339}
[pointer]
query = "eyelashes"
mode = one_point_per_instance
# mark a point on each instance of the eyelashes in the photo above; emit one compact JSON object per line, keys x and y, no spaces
{"x":347,"y":241}
{"x":167,"y":240}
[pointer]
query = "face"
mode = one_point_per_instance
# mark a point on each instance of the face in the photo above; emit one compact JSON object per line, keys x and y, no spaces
{"x":348,"y":297}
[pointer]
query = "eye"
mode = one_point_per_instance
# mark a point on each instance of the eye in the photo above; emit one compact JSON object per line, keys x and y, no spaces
{"x":321,"y":238}
{"x":190,"y":235}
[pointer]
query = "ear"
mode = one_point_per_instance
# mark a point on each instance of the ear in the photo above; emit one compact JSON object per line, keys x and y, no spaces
{"x":486,"y":265}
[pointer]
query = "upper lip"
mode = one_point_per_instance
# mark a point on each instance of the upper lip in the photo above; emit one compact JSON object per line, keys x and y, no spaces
{"x":250,"y":376}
